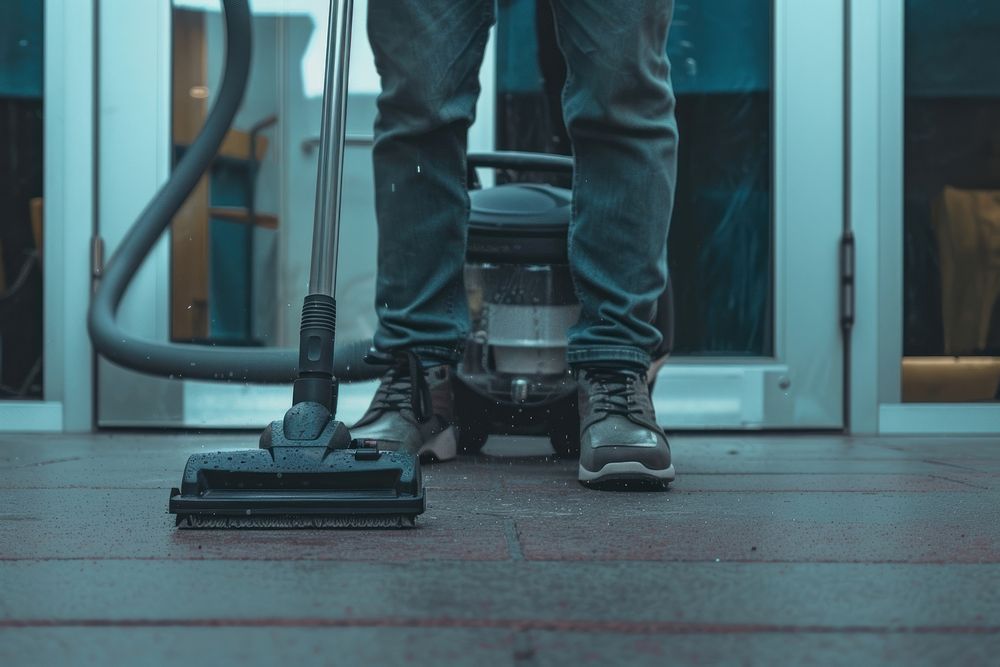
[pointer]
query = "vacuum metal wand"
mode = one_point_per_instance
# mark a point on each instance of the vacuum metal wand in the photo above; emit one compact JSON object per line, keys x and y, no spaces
{"x":329,"y":185}
{"x":316,"y":382}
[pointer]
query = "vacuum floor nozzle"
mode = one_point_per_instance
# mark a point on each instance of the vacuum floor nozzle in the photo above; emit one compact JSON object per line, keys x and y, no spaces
{"x":318,"y":478}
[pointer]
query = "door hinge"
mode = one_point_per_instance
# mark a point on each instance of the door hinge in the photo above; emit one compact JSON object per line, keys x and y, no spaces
{"x":96,"y":258}
{"x":847,"y":281}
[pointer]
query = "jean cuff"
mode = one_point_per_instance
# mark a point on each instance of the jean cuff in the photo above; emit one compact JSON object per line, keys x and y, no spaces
{"x":632,"y":356}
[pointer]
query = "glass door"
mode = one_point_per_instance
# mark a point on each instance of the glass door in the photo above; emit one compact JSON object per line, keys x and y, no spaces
{"x":924,"y":183}
{"x":932,"y":144}
{"x":753,"y":248}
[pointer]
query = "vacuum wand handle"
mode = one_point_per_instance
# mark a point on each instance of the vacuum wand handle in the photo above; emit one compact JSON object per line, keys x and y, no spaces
{"x":326,"y":225}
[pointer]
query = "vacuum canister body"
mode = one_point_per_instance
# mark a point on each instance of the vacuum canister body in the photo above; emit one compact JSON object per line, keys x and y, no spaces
{"x":520,"y":293}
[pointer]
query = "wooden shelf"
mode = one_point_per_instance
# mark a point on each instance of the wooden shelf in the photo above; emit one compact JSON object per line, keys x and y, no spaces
{"x":240,"y":214}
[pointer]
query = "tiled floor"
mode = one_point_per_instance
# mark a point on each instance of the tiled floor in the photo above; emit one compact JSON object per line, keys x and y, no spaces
{"x":768,"y":550}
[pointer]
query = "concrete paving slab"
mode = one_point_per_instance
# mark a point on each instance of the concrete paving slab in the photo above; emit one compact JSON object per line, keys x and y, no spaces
{"x":136,"y":460}
{"x":626,"y":597}
{"x":904,"y":649}
{"x":738,"y":539}
{"x":783,"y":483}
{"x":551,"y":524}
{"x":253,"y":647}
{"x":250,"y":647}
{"x":133,"y":523}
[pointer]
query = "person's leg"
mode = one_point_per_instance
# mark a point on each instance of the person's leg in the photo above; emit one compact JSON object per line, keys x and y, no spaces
{"x":428,"y":55}
{"x":619,"y":110}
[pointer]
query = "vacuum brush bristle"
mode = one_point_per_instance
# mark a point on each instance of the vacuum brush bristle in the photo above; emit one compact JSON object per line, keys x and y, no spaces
{"x":292,"y":521}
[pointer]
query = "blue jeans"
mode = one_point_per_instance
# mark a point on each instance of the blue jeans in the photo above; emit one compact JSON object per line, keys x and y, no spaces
{"x":619,"y":110}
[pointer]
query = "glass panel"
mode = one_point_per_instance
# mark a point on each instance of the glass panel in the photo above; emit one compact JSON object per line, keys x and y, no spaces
{"x":21,"y":204}
{"x":951,"y":331}
{"x":721,"y":249}
{"x":240,"y":247}
{"x":223,"y":240}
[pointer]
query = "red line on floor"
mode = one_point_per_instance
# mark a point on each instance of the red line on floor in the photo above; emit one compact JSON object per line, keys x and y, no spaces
{"x":568,"y":625}
{"x":502,"y":559}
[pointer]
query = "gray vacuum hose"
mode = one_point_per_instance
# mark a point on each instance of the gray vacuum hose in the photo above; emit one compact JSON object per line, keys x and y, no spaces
{"x":265,"y":365}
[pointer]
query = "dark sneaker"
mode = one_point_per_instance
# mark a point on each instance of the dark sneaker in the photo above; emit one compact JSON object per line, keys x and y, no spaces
{"x":411,"y":411}
{"x":619,"y":437}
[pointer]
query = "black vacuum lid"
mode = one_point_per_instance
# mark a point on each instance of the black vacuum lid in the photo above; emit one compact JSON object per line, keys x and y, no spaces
{"x":521,"y":208}
{"x":519,"y":223}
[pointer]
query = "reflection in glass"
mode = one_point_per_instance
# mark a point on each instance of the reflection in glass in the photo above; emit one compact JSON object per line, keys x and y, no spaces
{"x":951,"y":311}
{"x":21,"y":204}
{"x":240,"y":247}
{"x":221,"y":237}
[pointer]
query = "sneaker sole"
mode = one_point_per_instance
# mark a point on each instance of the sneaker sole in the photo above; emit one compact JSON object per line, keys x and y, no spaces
{"x":626,"y":471}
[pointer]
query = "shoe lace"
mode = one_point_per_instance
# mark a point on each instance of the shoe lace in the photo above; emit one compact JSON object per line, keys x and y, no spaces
{"x":614,"y":391}
{"x":404,"y":387}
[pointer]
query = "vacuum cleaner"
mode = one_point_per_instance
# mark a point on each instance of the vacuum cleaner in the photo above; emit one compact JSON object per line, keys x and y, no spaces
{"x":307,"y":471}
{"x":513,"y":378}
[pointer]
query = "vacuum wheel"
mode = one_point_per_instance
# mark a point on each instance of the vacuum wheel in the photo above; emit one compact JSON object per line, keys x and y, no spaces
{"x":475,"y":417}
{"x":564,"y":427}
{"x":472,"y":419}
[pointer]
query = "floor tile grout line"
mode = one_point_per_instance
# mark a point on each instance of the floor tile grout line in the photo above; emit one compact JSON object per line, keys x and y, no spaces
{"x":963,"y":483}
{"x":526,"y":560}
{"x":515,"y":624}
{"x":949,"y":465}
